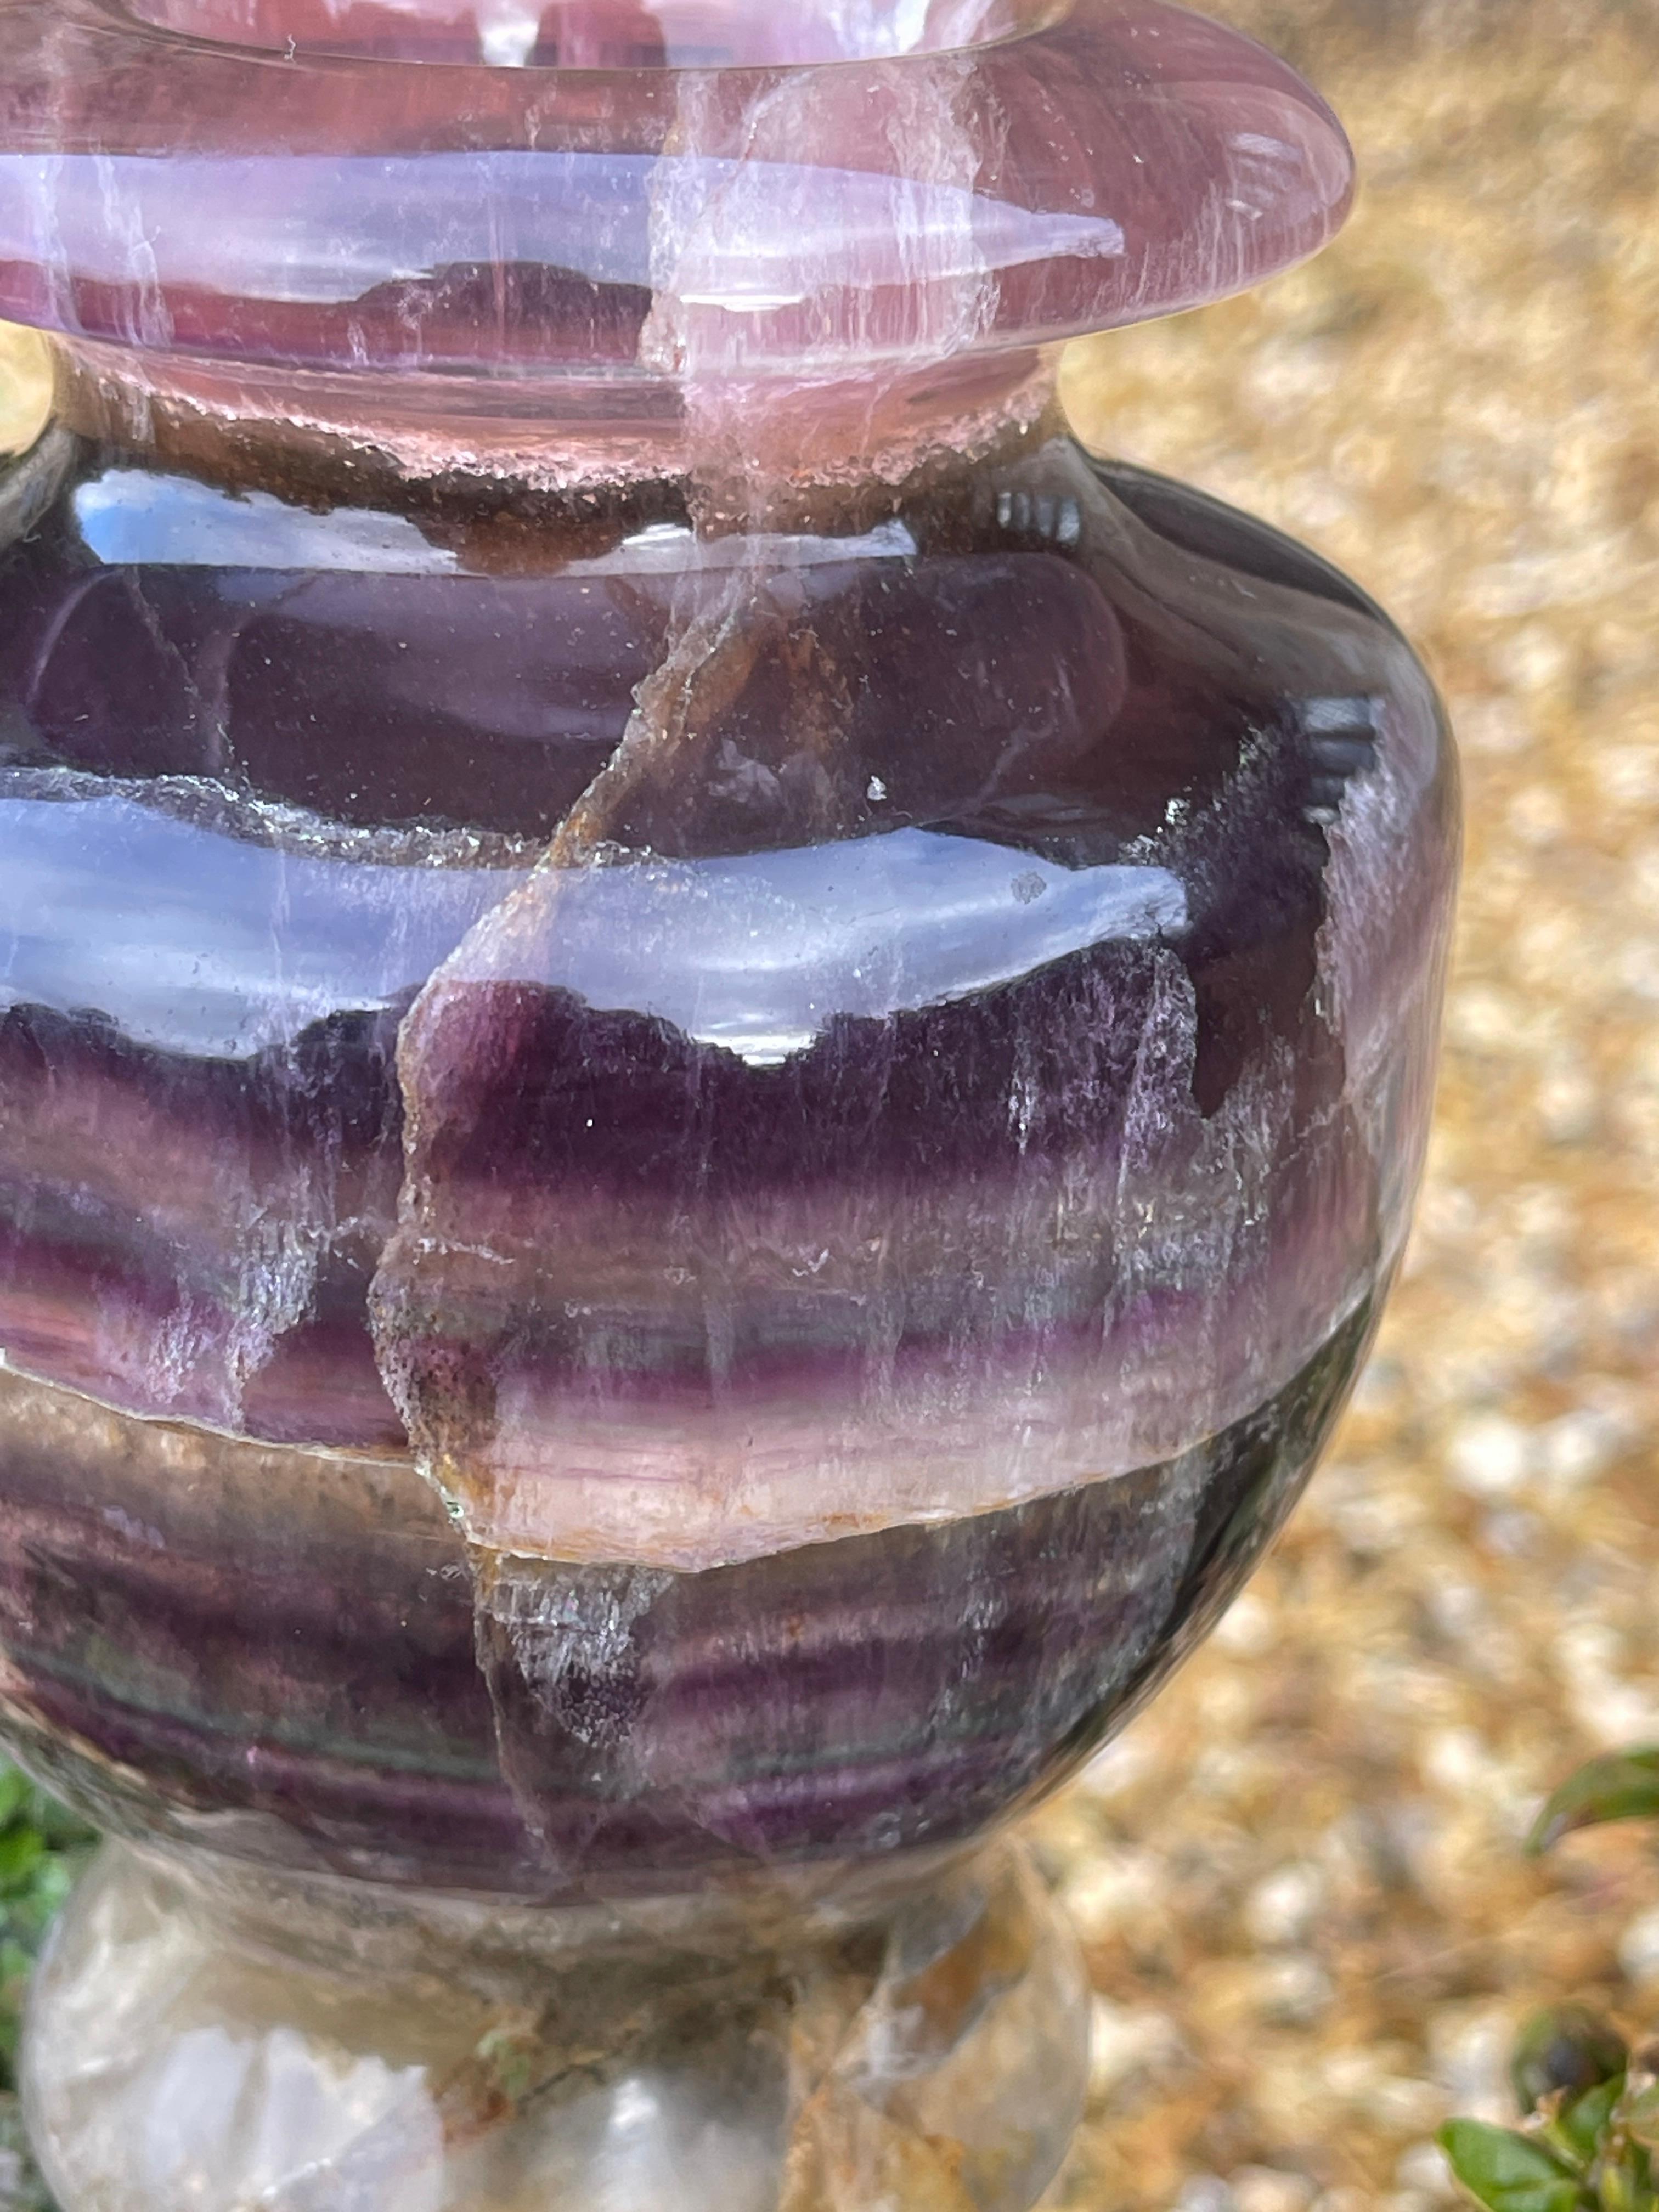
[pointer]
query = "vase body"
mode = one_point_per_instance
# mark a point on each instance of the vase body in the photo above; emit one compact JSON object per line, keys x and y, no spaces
{"x":733,"y":1356}
{"x":693,"y":1150}
{"x":916,"y":1185}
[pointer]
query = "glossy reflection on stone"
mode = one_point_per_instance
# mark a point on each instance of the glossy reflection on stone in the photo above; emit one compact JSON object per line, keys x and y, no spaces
{"x":287,"y":1645}
{"x":949,"y":191}
{"x":711,"y":1061}
{"x":864,"y":1232}
{"x":994,"y":1056}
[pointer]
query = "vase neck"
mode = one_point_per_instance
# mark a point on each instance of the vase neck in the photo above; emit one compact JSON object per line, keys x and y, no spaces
{"x":737,"y":453}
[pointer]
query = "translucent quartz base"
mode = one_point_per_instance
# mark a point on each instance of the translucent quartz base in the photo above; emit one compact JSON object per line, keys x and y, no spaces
{"x":206,"y":2037}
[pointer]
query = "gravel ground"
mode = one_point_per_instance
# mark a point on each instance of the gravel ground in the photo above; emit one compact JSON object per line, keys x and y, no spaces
{"x":1298,"y":1877}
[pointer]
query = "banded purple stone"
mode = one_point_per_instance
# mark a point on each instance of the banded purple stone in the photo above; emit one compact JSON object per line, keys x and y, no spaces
{"x":711,"y":1057}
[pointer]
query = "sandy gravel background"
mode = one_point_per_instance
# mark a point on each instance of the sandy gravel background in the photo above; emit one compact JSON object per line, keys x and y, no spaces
{"x":1299,"y":1876}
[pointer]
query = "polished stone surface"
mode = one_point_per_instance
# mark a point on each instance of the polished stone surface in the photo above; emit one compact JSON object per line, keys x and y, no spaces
{"x":624,"y":1175}
{"x":191,"y":2046}
{"x":695,"y":198}
{"x":295,"y":1656}
{"x":909,"y":1167}
{"x":711,"y":1059}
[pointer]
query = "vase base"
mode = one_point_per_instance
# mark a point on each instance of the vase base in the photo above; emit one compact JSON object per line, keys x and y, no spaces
{"x":201,"y":2036}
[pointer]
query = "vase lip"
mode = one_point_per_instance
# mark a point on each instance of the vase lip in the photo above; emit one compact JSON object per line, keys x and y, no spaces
{"x":991,"y":175}
{"x":596,"y":37}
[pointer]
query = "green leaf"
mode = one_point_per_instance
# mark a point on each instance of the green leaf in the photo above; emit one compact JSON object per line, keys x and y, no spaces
{"x":1621,"y":2184}
{"x":54,"y":1878}
{"x":1580,"y":2125}
{"x":15,"y":1790}
{"x":1623,"y":1786}
{"x":21,"y":1850}
{"x":1639,"y":2113}
{"x":1508,"y":2173}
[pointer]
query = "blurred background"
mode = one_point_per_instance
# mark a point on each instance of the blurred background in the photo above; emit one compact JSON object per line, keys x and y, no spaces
{"x":1299,"y":1878}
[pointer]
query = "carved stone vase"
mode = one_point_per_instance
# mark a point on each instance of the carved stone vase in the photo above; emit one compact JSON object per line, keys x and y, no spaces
{"x":711,"y":1059}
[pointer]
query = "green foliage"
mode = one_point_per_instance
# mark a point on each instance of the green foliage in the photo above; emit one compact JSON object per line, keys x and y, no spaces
{"x":1623,"y":1786}
{"x":1581,"y":2127}
{"x":1642,"y":2102}
{"x":41,"y":1851}
{"x":1592,"y":2106}
{"x":1507,"y":2172}
{"x":1573,"y":2154}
